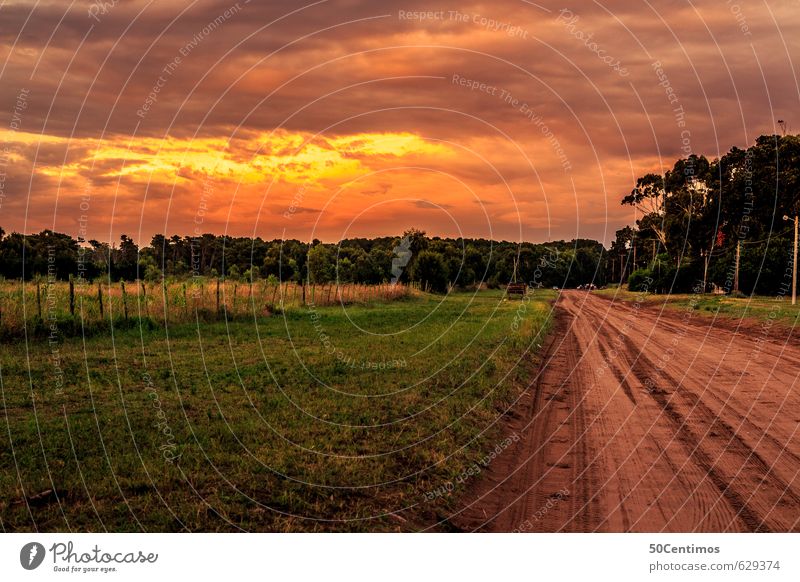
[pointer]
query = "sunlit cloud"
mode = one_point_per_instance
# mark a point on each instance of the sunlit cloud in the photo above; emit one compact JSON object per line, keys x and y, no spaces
{"x":281,"y":155}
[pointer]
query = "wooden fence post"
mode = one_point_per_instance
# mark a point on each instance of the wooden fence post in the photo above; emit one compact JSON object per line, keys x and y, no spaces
{"x":144,"y":296}
{"x":274,"y":293}
{"x":165,"y":293}
{"x":71,"y":296}
{"x":217,"y":296}
{"x":38,"y":298}
{"x":124,"y":300}
{"x":100,"y":298}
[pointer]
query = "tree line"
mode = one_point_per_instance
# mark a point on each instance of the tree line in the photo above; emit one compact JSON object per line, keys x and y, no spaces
{"x":437,"y":263}
{"x":698,"y":217}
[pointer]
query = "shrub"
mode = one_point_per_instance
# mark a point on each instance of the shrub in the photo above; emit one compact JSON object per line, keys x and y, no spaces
{"x":641,"y":280}
{"x":430,"y":270}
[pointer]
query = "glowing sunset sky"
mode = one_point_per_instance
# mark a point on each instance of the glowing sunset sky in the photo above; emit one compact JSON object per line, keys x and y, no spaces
{"x":506,"y":119}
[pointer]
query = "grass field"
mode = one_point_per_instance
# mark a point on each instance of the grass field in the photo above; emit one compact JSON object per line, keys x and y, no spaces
{"x":319,"y":418}
{"x":780,"y":310}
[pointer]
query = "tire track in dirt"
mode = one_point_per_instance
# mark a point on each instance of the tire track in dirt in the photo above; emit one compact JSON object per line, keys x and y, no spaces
{"x":641,"y":420}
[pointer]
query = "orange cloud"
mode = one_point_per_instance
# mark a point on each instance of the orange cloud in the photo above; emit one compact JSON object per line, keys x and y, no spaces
{"x":352,"y":103}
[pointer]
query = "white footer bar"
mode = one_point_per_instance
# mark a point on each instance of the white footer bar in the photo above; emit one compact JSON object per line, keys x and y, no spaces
{"x":400,"y":557}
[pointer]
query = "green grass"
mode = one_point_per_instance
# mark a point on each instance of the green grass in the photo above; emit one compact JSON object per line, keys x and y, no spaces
{"x":757,"y":307}
{"x":273,"y":426}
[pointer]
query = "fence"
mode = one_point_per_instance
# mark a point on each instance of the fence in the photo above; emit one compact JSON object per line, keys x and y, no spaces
{"x":41,"y":302}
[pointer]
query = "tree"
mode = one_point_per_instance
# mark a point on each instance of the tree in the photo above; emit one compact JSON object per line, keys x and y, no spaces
{"x":125,"y":259}
{"x":430,"y":270}
{"x":648,"y":198}
{"x":150,"y":271}
{"x":234,"y":273}
{"x":321,"y":264}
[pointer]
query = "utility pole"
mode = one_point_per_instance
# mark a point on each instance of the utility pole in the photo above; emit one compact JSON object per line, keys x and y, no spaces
{"x":736,"y":275}
{"x":516,"y":262}
{"x":794,"y":266}
{"x":706,"y":256}
{"x":621,"y":269}
{"x":794,"y":262}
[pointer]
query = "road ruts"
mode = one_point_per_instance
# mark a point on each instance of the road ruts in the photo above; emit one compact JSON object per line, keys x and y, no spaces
{"x":643,"y":419}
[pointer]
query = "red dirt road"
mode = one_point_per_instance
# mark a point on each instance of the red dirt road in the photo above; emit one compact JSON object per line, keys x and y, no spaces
{"x":649,"y":420}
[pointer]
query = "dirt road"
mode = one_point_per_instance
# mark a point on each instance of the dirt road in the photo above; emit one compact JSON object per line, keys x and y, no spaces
{"x":650,"y":420}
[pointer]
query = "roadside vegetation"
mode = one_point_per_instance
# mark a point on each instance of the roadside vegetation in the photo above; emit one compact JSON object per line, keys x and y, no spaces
{"x":714,"y":224}
{"x":757,"y":307}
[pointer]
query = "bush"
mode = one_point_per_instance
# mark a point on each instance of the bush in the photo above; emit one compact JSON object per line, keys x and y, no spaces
{"x":430,"y":270}
{"x":667,"y":278}
{"x":641,"y":280}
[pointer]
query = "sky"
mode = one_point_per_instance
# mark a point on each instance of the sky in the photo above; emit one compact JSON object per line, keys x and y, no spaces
{"x":502,"y":119}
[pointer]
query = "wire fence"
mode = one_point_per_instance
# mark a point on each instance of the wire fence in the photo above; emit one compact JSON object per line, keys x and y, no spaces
{"x":41,"y":303}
